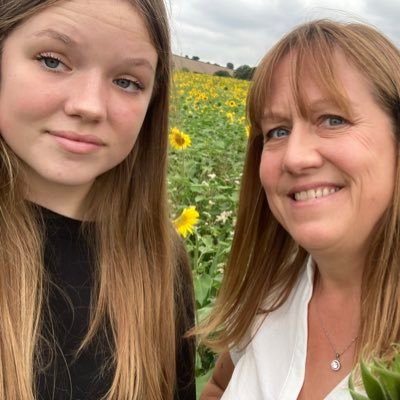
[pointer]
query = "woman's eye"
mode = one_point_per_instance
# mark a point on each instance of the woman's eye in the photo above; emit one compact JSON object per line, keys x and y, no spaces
{"x":51,"y":62}
{"x":128,"y":84}
{"x":332,"y":121}
{"x":276,"y":133}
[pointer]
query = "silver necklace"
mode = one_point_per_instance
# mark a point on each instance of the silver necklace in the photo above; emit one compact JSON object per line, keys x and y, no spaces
{"x":335,"y":363}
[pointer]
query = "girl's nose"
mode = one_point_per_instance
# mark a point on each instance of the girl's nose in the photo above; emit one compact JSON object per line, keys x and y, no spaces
{"x":87,"y":97}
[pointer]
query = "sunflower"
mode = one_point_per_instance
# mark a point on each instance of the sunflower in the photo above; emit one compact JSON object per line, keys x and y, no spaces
{"x":247,"y":130}
{"x":185,"y":222}
{"x":179,"y":140}
{"x":230,"y":116}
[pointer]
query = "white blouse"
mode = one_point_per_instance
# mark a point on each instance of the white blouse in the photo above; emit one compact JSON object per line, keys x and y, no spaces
{"x":272,"y":365}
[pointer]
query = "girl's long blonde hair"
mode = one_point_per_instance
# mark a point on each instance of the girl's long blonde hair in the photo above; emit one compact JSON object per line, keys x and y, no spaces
{"x":140,"y":260}
{"x":264,"y":259}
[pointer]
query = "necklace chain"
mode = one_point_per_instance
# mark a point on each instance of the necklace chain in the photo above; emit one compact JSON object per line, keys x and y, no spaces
{"x":335,"y":364}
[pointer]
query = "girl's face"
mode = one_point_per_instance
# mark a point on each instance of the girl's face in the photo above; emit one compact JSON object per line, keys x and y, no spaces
{"x":76,"y":82}
{"x":328,"y":179}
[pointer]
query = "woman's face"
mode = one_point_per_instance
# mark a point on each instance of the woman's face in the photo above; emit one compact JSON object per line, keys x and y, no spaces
{"x":328,"y":180}
{"x":76,"y":81}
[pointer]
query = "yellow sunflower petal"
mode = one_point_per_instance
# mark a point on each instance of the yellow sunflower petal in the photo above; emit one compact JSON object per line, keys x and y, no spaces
{"x":179,"y":140}
{"x":185,"y":222}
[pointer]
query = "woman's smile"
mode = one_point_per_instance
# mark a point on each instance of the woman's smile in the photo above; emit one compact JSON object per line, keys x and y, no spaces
{"x":312,"y":194}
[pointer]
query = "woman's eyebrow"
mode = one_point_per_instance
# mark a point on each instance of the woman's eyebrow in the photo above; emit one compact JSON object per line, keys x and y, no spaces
{"x":62,"y":37}
{"x":273,"y":115}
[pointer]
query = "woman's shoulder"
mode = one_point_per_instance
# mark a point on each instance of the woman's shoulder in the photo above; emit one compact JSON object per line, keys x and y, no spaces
{"x":272,"y":326}
{"x":272,"y":361}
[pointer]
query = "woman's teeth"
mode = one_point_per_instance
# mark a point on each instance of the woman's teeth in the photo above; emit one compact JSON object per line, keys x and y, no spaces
{"x":312,"y":194}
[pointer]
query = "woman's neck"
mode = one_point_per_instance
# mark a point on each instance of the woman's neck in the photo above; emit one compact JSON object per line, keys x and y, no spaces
{"x":342,"y":273}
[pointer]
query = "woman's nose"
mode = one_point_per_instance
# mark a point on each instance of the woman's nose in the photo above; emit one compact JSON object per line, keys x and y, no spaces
{"x":302,"y":150}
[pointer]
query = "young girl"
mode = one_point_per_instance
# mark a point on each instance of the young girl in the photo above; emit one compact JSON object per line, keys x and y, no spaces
{"x":95,"y":290}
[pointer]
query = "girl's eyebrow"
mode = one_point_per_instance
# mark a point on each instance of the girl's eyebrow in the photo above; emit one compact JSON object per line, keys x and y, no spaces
{"x":62,"y":37}
{"x":67,"y":40}
{"x":140,"y":62}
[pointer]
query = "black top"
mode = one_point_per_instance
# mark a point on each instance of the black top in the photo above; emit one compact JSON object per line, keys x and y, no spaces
{"x":69,"y":265}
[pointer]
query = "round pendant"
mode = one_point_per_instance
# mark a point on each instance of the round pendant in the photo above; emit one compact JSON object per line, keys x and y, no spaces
{"x":335,"y":365}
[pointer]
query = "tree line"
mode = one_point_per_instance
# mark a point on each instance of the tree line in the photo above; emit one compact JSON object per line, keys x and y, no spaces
{"x":244,"y":72}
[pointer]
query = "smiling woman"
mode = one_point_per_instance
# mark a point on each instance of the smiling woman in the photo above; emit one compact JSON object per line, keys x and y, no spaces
{"x":95,"y":287}
{"x":338,"y":206}
{"x":312,"y":283}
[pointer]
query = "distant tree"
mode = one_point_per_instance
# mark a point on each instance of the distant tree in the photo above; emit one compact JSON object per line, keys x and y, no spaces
{"x":229,"y":65}
{"x":222,"y":73}
{"x":186,"y":56}
{"x":244,"y":72}
{"x":195,"y":58}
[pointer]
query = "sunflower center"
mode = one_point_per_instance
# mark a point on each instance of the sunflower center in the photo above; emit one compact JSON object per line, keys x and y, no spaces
{"x":180,"y":141}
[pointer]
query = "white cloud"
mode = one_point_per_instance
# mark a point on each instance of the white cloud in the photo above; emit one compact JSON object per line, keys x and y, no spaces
{"x":241,"y":31}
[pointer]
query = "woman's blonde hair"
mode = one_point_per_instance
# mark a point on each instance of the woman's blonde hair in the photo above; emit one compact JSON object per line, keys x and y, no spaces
{"x":264,"y":259}
{"x":137,"y":296}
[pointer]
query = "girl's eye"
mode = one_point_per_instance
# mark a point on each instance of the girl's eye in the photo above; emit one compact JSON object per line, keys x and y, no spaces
{"x":129,"y":85}
{"x":332,"y":121}
{"x":51,"y":62}
{"x":276,"y":133}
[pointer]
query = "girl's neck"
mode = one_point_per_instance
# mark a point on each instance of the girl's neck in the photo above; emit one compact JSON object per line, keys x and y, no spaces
{"x":69,"y":201}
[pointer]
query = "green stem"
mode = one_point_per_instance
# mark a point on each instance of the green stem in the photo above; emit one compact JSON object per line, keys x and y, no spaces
{"x":195,"y":251}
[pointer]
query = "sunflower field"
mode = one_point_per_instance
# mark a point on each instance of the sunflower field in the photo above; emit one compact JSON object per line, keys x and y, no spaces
{"x":208,"y":138}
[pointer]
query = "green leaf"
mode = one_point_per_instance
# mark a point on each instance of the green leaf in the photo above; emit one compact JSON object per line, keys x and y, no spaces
{"x":203,"y":313}
{"x":202,"y":286}
{"x":354,"y":394}
{"x":395,"y":365}
{"x":216,"y":259}
{"x":373,"y":387}
{"x":351,"y":382}
{"x":358,"y":396}
{"x":390,"y":380}
{"x":199,"y":363}
{"x":201,"y":381}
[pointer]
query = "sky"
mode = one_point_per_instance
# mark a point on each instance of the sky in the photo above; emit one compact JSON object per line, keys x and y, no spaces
{"x":242,"y":31}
